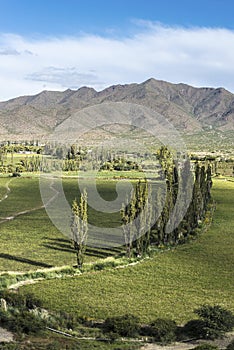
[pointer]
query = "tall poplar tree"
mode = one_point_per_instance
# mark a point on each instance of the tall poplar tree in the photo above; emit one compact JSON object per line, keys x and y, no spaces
{"x":79,"y":227}
{"x":136,"y":218}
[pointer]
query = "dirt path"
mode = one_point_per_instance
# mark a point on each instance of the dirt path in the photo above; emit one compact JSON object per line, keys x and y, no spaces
{"x":28,"y":211}
{"x":35,"y":280}
{"x":221,"y":343}
{"x":25,"y":283}
{"x":8,"y":218}
{"x":175,"y":346}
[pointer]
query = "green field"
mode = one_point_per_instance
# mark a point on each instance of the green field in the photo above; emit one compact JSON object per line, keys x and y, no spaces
{"x":31,"y":241}
{"x":171,"y":284}
{"x":3,"y":183}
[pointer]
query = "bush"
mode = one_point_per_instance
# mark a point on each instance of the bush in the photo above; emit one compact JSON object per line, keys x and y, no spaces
{"x":206,"y":346}
{"x":163,"y":330}
{"x":31,"y":301}
{"x":20,"y":300}
{"x":126,"y":326}
{"x":231,"y":345}
{"x":26,"y":322}
{"x":22,"y":322}
{"x":9,"y":346}
{"x":68,"y":321}
{"x":4,"y":316}
{"x":194,"y":329}
{"x":217,"y":320}
{"x":15,"y":174}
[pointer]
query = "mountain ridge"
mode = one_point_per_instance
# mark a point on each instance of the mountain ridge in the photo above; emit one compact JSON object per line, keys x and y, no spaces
{"x":190,"y":109}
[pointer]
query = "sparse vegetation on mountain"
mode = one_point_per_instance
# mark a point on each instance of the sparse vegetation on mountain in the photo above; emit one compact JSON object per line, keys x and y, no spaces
{"x":187,"y":108}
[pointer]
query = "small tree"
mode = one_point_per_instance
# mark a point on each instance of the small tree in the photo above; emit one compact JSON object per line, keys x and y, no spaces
{"x":216,"y":319}
{"x":126,"y":325}
{"x":194,"y":329}
{"x":163,"y":330}
{"x":79,"y":227}
{"x":230,"y":345}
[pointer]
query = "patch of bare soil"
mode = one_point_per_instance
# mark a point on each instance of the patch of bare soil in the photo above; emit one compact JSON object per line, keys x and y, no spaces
{"x":174,"y":346}
{"x":5,"y":336}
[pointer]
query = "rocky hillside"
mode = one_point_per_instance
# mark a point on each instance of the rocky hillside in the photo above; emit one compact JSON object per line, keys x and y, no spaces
{"x":189,"y":109}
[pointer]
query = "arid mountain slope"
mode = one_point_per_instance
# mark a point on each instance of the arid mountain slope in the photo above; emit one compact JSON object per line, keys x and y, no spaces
{"x":189,"y":109}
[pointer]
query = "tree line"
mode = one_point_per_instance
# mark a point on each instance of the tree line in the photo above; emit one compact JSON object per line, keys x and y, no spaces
{"x":147,"y":213}
{"x":146,"y":217}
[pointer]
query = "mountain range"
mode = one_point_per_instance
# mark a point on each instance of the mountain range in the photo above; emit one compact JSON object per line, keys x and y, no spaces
{"x":188,"y":109}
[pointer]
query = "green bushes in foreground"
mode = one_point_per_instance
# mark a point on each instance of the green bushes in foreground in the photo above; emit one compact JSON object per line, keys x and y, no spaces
{"x":194,"y":329}
{"x":206,"y":346}
{"x":9,"y":346}
{"x":216,"y":320}
{"x":230,"y":345}
{"x":23,"y":314}
{"x":213,"y":323}
{"x":18,"y":316}
{"x":22,"y":301}
{"x":126,"y":326}
{"x":21,"y":322}
{"x":71,"y":344}
{"x":163,"y":331}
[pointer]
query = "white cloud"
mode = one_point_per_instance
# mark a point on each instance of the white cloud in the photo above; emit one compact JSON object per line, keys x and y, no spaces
{"x":64,"y":76}
{"x":197,"y":56}
{"x":6,"y":52}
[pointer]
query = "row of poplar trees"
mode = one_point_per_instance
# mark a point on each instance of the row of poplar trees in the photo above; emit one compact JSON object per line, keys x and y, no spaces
{"x":155,"y":215}
{"x":146,"y":217}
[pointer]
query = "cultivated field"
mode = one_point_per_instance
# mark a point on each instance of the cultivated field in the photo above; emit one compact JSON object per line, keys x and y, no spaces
{"x":170,"y":284}
{"x":29,"y":240}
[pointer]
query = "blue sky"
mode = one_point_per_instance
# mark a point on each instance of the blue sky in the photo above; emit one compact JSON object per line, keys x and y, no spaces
{"x":70,"y":17}
{"x":59,"y":44}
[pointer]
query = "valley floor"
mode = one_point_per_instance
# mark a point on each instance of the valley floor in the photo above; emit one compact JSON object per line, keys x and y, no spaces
{"x":171,"y":284}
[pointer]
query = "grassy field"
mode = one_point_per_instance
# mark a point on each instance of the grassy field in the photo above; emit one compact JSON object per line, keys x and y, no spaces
{"x":210,"y":141}
{"x":31,"y":241}
{"x":3,"y":183}
{"x":171,"y":284}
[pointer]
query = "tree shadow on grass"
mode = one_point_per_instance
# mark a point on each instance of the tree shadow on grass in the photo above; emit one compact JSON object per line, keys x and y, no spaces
{"x":60,"y":247}
{"x":24,"y":260}
{"x":65,"y":245}
{"x":100,"y":253}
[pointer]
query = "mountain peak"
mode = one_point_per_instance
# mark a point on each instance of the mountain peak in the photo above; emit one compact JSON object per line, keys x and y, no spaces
{"x":186,"y":107}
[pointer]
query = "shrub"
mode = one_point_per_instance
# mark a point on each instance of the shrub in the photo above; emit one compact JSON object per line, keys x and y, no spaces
{"x":31,"y":301}
{"x":20,"y":300}
{"x":13,"y":299}
{"x":217,"y":320}
{"x":126,"y":326}
{"x":4,"y":316}
{"x":15,"y":174}
{"x":9,"y":346}
{"x":22,"y":322}
{"x":206,"y":346}
{"x":26,"y":322}
{"x":231,"y":345}
{"x":194,"y":329}
{"x":68,"y":321}
{"x":163,"y":330}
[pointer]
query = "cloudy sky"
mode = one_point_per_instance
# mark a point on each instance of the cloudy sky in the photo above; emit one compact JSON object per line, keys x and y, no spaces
{"x":60,"y":44}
